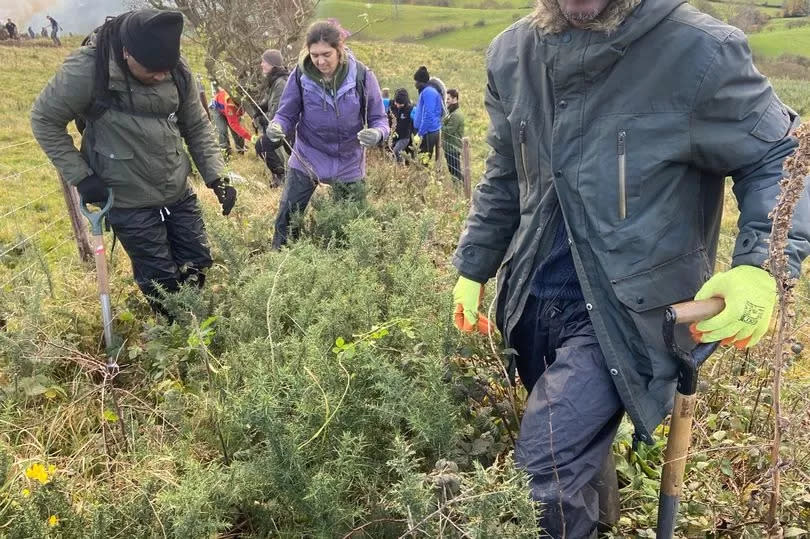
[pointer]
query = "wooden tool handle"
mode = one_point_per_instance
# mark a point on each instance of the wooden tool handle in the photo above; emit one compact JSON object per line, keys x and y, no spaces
{"x":695,"y":311}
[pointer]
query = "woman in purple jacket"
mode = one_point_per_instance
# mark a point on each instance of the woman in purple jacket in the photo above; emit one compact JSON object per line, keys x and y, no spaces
{"x":333,"y":105}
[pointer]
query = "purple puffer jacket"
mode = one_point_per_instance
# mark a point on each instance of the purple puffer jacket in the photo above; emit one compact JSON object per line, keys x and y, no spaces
{"x":326,"y":128}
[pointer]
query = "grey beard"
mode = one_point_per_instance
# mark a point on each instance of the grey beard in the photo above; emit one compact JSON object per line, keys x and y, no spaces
{"x":581,"y":17}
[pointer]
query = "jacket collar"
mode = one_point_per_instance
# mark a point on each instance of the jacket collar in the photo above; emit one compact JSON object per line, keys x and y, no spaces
{"x":621,"y":24}
{"x":548,"y":18}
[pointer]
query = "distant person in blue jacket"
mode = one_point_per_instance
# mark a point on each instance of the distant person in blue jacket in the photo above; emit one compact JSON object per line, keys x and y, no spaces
{"x":430,"y":110}
{"x":386,"y":97}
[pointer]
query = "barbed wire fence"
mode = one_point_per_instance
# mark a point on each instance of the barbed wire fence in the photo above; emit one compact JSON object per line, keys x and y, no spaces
{"x":31,"y":234}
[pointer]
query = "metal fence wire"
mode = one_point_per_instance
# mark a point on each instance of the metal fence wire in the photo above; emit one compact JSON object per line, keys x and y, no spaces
{"x":30,"y":236}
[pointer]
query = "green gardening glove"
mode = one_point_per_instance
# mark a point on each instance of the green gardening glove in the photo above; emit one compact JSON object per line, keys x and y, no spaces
{"x":467,"y":296}
{"x":750,"y":296}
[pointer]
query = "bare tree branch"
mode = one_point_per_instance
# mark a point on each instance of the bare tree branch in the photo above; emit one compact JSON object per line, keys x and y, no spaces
{"x":236,"y":32}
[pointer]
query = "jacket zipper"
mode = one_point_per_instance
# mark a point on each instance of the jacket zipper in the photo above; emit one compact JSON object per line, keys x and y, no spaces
{"x":335,"y":98}
{"x":621,"y":153}
{"x":523,"y":158}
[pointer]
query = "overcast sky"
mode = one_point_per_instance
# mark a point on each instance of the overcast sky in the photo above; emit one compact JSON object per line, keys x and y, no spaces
{"x":76,"y":16}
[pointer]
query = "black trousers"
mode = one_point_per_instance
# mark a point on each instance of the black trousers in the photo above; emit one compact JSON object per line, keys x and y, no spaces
{"x":166,"y":245}
{"x":429,"y":144}
{"x":453,"y":162}
{"x":298,"y":190}
{"x":266,"y":149}
{"x":571,"y":417}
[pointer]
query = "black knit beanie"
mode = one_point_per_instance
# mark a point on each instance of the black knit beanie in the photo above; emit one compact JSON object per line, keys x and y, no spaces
{"x":152,"y":37}
{"x":421,"y":75}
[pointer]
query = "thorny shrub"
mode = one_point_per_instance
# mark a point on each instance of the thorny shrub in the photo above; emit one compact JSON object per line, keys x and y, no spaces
{"x":319,"y":391}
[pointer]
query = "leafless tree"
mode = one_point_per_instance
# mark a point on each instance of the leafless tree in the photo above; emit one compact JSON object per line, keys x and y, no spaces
{"x":747,"y":17}
{"x":234,"y":33}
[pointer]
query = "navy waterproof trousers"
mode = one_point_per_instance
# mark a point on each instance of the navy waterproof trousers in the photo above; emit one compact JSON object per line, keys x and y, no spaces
{"x":571,"y":417}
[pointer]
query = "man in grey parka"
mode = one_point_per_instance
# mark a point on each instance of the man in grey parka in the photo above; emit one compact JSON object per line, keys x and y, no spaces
{"x":613,"y":126}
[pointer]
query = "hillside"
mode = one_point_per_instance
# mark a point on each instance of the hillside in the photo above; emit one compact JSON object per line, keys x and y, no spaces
{"x":471,"y":24}
{"x":321,"y":391}
{"x":460,"y":27}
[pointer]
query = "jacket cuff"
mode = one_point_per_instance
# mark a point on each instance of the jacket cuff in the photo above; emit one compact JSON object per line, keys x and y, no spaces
{"x":750,"y":249}
{"x":477,"y":263}
{"x":75,"y":178}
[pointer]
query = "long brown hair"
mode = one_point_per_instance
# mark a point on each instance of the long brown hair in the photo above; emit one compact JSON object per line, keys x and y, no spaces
{"x":328,"y":32}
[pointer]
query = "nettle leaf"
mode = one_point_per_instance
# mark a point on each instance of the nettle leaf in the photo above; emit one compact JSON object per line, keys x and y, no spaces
{"x":34,"y":386}
{"x":55,"y":391}
{"x":207,"y":322}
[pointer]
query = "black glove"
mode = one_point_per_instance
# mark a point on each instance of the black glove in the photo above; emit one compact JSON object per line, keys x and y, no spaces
{"x":92,"y":189}
{"x":225,"y":194}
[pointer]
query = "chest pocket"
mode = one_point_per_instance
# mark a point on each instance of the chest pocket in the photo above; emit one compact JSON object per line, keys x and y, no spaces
{"x":113,"y":160}
{"x":633,"y":178}
{"x":532,"y":157}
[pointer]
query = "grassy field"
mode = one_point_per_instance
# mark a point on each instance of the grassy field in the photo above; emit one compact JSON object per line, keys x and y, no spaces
{"x":465,"y":24}
{"x":463,"y":28}
{"x":331,"y":370}
{"x":775,"y":42}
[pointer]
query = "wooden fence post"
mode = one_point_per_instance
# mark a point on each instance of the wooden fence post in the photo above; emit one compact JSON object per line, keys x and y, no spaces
{"x":77,"y":221}
{"x":439,"y":152}
{"x":466,"y":166}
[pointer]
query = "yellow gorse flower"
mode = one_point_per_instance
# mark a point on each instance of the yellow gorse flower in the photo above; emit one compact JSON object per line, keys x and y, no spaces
{"x":26,"y":492}
{"x":53,"y":521}
{"x":38,"y":472}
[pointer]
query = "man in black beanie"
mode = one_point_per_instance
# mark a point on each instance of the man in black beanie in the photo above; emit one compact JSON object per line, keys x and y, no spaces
{"x":429,"y":112}
{"x":151,"y":41}
{"x":134,"y":96}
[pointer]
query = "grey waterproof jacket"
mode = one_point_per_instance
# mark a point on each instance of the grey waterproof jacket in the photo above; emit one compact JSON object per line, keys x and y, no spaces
{"x":630,"y":134}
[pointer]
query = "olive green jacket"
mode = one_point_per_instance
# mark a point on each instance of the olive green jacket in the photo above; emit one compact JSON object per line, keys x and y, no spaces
{"x":141,"y":155}
{"x":453,"y":130}
{"x":627,"y":136}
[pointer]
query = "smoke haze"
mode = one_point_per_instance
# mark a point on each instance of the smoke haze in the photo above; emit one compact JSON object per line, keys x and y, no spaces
{"x":76,"y":16}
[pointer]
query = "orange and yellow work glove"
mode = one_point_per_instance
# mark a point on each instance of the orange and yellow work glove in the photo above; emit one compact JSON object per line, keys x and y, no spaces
{"x":467,"y":296}
{"x":750,"y":296}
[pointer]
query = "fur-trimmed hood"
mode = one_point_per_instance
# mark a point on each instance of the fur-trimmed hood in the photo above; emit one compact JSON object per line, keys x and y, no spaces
{"x":548,"y":18}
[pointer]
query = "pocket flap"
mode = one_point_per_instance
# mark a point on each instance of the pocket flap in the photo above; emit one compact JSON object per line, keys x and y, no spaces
{"x":674,"y":281}
{"x":774,"y":123}
{"x":112,"y":150}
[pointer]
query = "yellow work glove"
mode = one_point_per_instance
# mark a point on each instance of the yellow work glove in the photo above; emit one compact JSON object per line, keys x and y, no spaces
{"x":467,"y":296}
{"x":750,"y":296}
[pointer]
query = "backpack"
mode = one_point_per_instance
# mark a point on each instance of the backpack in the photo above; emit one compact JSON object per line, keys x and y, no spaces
{"x":359,"y":82}
{"x":437,"y":84}
{"x":99,"y":105}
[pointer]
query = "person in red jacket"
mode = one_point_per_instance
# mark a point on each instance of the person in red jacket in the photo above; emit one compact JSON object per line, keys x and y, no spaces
{"x":227,"y":116}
